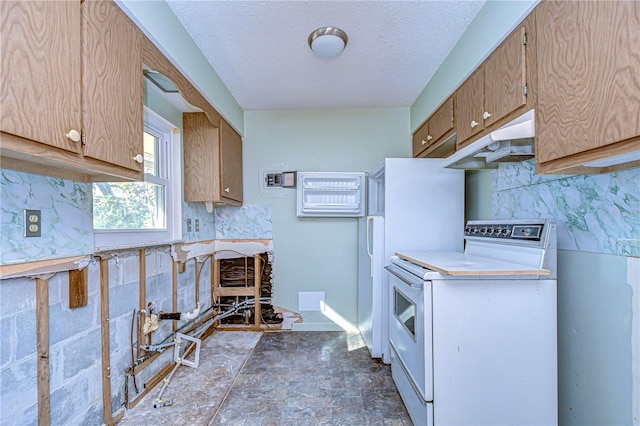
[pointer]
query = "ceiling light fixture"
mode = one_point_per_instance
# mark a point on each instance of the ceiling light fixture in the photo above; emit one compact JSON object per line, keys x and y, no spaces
{"x":328,"y":42}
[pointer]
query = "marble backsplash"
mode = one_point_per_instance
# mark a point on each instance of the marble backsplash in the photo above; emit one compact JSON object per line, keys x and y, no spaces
{"x":597,"y":213}
{"x":66,"y":209}
{"x":67,"y":221}
{"x":248,"y":222}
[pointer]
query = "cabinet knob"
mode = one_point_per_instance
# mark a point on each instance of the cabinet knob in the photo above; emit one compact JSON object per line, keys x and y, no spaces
{"x":486,"y":115}
{"x":429,"y":137}
{"x":473,"y":123}
{"x":424,"y":142}
{"x":73,"y":135}
{"x":226,"y":190}
{"x":139,"y":158}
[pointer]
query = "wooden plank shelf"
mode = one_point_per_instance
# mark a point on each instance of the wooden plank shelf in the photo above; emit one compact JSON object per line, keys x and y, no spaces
{"x":218,"y":290}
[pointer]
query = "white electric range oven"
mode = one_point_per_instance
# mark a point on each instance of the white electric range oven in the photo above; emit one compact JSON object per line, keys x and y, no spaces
{"x":474,"y":335}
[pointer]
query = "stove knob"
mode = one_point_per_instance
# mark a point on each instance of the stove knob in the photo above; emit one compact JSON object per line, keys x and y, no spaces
{"x":483,"y":230}
{"x":467,"y":230}
{"x":506,"y":231}
{"x":474,"y":230}
{"x":490,"y":231}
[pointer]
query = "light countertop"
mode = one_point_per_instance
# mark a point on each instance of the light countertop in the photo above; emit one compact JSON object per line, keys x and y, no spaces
{"x":456,"y":263}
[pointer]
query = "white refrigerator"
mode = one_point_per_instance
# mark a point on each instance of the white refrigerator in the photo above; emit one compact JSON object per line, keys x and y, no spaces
{"x":414,"y":204}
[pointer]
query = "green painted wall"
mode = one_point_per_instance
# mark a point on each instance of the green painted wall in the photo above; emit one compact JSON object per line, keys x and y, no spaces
{"x":318,"y":254}
{"x":477,"y":194}
{"x":595,"y":316}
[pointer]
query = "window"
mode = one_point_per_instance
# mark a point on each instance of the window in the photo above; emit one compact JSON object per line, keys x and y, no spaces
{"x":138,"y":213}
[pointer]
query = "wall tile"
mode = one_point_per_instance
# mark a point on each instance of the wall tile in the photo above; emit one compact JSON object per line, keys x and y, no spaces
{"x":248,"y":222}
{"x":66,"y":206}
{"x":198,"y":211}
{"x":597,"y":213}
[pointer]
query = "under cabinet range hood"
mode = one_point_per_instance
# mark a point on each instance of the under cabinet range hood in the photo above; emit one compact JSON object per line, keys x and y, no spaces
{"x":512,"y":143}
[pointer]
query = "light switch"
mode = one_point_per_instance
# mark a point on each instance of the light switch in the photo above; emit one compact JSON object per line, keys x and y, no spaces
{"x":32,"y":223}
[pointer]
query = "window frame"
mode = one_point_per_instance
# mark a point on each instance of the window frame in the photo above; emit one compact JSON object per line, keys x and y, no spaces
{"x":105,"y":239}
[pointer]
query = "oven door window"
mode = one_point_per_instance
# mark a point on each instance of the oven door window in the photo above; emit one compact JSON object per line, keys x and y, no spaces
{"x":405,"y":311}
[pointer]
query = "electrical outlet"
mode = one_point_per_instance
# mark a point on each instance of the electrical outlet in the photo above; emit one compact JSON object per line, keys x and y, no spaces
{"x":197,"y":225}
{"x":188,"y":225}
{"x":32,"y":223}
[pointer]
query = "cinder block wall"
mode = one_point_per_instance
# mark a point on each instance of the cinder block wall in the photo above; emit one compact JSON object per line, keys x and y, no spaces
{"x":74,"y":353}
{"x":75,"y":336}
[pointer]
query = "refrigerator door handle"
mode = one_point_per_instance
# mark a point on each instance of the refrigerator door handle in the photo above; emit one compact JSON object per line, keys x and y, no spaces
{"x":369,"y":218}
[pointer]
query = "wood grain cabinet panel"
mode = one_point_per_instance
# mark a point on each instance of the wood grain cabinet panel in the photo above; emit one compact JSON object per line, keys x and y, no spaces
{"x":500,"y":89}
{"x":420,"y":139}
{"x":588,"y":81}
{"x":212,"y":161}
{"x":505,"y":78}
{"x":439,"y":125}
{"x":40,"y":66}
{"x":71,"y":65}
{"x":230,"y":162}
{"x":112,"y":83}
{"x":469,"y":105}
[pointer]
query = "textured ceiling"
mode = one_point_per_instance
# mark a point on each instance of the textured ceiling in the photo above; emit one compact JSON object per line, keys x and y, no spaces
{"x":259,"y":49}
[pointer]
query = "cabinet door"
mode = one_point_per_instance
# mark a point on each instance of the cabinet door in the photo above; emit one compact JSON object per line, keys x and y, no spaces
{"x":112,"y":79}
{"x":230,"y":162}
{"x":201,"y":158}
{"x":468,"y":107}
{"x":420,"y":142}
{"x":40,"y":70}
{"x":505,"y":78}
{"x":588,"y":76}
{"x":441,"y":121}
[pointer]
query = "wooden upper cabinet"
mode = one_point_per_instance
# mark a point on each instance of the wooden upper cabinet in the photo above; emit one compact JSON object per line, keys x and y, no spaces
{"x":71,"y":87}
{"x":40,"y":60}
{"x":469,"y":107}
{"x":505,"y":78}
{"x":230,"y":162}
{"x":588,"y":82}
{"x":201,"y":144}
{"x":500,"y":89}
{"x":112,"y":83}
{"x":439,"y":125}
{"x":212,"y":161}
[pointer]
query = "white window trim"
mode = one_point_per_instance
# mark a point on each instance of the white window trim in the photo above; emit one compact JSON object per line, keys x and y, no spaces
{"x":119,"y":239}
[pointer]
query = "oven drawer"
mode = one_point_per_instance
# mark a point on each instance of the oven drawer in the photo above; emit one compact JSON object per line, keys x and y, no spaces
{"x":410,"y":328}
{"x":420,"y":411}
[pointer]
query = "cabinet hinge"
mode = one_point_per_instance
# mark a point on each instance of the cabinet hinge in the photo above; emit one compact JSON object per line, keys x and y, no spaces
{"x":526,"y":89}
{"x":524,"y":39}
{"x":83,"y":138}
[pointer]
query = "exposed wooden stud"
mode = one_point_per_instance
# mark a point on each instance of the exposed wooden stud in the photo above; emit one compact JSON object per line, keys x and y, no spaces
{"x":78,"y":288}
{"x":235,"y":291}
{"x":212,"y":277}
{"x":42,"y":327}
{"x":142,"y":299}
{"x":117,"y":418}
{"x":104,"y":333}
{"x":176,"y":266}
{"x":197,"y":284}
{"x":257,"y":279}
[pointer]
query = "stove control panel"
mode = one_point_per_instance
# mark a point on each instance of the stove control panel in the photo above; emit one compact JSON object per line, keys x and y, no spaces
{"x":511,"y":231}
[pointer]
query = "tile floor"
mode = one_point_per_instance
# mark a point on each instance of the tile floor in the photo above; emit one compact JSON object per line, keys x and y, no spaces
{"x":286,"y":378}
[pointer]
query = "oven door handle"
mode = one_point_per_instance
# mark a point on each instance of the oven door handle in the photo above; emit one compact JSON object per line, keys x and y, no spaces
{"x":419,"y":285}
